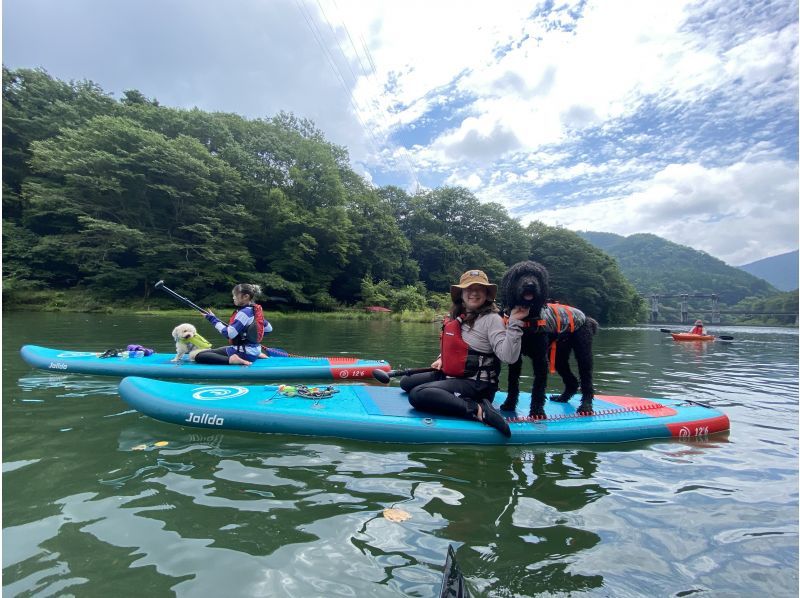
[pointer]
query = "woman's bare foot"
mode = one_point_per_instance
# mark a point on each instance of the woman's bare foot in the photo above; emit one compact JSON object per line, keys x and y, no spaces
{"x":236,"y":360}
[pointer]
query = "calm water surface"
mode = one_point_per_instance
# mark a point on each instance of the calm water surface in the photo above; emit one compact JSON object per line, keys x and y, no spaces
{"x":86,"y":512}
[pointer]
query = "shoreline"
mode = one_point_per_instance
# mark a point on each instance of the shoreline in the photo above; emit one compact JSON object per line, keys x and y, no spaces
{"x":418,"y":317}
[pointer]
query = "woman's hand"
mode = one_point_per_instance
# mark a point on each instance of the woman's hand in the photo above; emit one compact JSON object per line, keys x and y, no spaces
{"x":437,"y":365}
{"x":519,"y":313}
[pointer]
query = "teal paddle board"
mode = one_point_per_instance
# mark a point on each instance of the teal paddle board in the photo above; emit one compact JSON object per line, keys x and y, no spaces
{"x":160,"y":365}
{"x":382,"y":413}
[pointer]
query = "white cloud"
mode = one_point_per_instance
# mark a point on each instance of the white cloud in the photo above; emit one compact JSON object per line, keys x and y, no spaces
{"x":738,"y":213}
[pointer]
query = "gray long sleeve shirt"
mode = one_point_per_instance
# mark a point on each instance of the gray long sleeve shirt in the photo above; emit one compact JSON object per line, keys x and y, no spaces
{"x":489,"y":334}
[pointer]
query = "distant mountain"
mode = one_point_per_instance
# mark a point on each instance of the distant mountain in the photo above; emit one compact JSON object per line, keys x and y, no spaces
{"x":657,"y":266}
{"x":779,"y":270}
{"x":604,"y":241}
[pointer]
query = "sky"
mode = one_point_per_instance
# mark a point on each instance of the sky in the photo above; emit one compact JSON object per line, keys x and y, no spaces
{"x":668,"y":117}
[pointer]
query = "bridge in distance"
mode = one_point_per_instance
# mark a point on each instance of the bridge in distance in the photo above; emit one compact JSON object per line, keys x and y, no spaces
{"x":655,"y":299}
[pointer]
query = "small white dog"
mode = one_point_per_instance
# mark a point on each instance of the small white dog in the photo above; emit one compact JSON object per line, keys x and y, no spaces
{"x":188,"y":341}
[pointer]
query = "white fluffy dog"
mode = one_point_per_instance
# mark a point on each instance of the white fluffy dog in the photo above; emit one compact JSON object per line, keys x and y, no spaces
{"x":188,"y":341}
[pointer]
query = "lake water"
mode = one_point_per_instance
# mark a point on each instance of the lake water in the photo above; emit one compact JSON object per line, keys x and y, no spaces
{"x":87,"y":512}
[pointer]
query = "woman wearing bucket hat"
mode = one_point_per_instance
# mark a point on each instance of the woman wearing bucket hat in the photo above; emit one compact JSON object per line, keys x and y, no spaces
{"x":698,"y":328}
{"x":474,"y":341}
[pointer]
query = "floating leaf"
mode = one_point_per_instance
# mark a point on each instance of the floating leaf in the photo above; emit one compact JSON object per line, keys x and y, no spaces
{"x":396,"y":514}
{"x":140,"y":447}
{"x":161,"y":443}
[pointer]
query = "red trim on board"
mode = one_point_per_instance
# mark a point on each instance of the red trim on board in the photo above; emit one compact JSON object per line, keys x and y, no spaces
{"x":645,"y":406}
{"x":341,"y":360}
{"x":357,"y":372}
{"x":700,"y":427}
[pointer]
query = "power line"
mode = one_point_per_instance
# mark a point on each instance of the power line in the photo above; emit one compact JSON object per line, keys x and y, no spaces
{"x":332,"y":63}
{"x":404,"y":155}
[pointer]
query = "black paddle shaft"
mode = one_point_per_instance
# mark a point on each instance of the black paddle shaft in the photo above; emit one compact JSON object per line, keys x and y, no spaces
{"x":382,"y":376}
{"x":160,"y":285}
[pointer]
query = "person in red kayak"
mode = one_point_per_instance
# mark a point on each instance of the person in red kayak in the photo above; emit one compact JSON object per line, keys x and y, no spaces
{"x":698,"y":327}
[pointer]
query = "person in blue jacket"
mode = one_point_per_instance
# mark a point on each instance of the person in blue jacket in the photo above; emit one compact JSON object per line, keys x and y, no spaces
{"x":244,"y":331}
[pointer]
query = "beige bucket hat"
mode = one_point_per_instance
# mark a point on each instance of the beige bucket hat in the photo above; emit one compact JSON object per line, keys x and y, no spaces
{"x":471,"y":277}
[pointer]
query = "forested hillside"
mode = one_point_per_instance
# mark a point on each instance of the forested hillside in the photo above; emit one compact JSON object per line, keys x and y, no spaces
{"x":103,"y":197}
{"x":655,"y":265}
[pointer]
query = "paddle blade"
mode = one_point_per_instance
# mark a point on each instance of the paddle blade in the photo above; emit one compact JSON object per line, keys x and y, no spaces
{"x":453,"y":585}
{"x":381,"y":376}
{"x":725,"y":337}
{"x":665,"y":330}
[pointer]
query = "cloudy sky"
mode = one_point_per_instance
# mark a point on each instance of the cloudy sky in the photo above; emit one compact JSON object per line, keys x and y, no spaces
{"x":670,"y":117}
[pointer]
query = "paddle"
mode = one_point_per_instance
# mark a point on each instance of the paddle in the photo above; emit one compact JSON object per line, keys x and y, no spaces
{"x":453,"y":584}
{"x":161,"y":286}
{"x":721,"y":336}
{"x":383,"y":376}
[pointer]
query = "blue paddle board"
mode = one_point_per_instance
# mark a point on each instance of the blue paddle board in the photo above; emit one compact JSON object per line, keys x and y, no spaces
{"x":382,"y":413}
{"x":160,"y":365}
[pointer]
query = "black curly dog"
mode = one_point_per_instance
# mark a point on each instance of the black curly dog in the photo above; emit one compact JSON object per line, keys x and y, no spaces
{"x":527,"y":284}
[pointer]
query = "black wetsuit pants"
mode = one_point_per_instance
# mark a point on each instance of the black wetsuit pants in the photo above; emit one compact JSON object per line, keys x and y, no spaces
{"x":432,"y":392}
{"x":213,"y":356}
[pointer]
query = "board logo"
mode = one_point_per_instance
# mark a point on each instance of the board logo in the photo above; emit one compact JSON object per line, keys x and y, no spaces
{"x":57,"y":365}
{"x":218,"y":393}
{"x":204,"y":418}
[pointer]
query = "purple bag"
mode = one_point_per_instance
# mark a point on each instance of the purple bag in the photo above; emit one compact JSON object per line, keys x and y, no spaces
{"x":145,"y":350}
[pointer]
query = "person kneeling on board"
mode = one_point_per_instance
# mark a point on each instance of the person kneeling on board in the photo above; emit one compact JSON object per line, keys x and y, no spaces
{"x":474,"y":341}
{"x":244,"y":331}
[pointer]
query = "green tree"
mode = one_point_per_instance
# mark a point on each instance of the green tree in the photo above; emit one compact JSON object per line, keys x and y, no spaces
{"x":583,"y":276}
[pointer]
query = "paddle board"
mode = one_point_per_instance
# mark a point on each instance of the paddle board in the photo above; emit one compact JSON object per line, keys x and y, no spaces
{"x":159,"y":365}
{"x":382,"y":413}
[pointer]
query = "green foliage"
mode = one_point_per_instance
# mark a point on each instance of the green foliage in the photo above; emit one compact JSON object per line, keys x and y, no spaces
{"x":657,"y":266}
{"x":786,"y":303}
{"x":383,"y":294}
{"x":102,"y":198}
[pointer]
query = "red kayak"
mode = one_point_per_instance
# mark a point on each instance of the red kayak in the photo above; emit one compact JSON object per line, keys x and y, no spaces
{"x":686,"y":336}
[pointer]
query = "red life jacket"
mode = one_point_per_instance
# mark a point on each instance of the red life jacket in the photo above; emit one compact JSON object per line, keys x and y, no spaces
{"x":460,"y":361}
{"x":253,"y":334}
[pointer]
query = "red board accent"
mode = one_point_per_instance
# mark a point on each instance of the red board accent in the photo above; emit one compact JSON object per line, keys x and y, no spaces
{"x":645,"y":406}
{"x":342,"y":360}
{"x":357,"y":372}
{"x":700,"y":427}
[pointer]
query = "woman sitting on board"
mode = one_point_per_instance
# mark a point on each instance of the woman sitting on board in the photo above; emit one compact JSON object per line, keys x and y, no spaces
{"x":474,"y":341}
{"x":244,"y":331}
{"x":698,"y":328}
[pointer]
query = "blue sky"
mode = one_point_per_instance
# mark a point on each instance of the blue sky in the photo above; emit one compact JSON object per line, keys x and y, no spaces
{"x":674,"y":118}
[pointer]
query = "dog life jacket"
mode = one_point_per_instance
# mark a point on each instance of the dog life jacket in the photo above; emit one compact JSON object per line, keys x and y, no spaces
{"x":555,"y":319}
{"x":194,"y":342}
{"x":254,"y":332}
{"x":461,"y":361}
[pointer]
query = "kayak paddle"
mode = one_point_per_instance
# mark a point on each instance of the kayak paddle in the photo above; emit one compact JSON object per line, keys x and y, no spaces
{"x":382,"y":376}
{"x":721,"y":336}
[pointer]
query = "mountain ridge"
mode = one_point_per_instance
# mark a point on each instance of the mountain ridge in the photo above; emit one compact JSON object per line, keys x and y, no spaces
{"x":781,"y":270}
